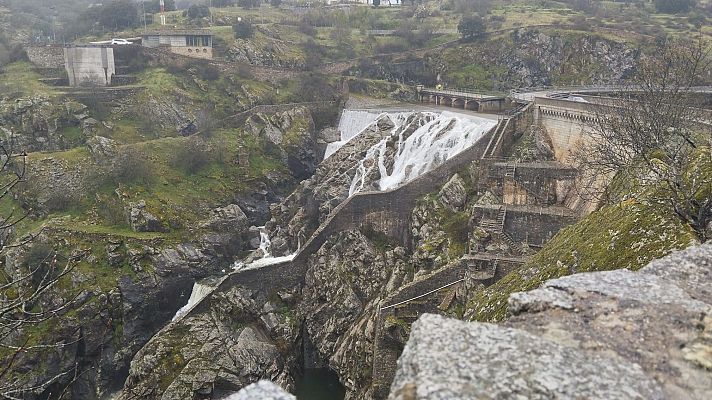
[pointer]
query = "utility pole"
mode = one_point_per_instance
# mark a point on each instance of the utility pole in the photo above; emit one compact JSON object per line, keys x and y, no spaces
{"x":143,"y":3}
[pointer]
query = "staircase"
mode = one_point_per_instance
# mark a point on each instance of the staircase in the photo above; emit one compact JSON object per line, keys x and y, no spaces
{"x":510,"y":170}
{"x":497,"y":224}
{"x":516,"y":248}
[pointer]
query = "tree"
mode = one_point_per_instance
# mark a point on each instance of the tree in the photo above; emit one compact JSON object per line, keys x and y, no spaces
{"x":198,"y":11}
{"x":651,"y":136}
{"x":471,"y":27}
{"x":376,"y":3}
{"x":275,"y":3}
{"x":243,"y":29}
{"x":674,"y":6}
{"x":222,"y":3}
{"x":154,"y":6}
{"x":26,"y":299}
{"x":247,"y":4}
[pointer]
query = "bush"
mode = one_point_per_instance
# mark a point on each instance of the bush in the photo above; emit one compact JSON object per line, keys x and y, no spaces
{"x":191,"y":156}
{"x":198,"y":11}
{"x":674,"y":6}
{"x":111,"y":210}
{"x":243,"y":30}
{"x":472,"y":27}
{"x":307,"y":29}
{"x":132,"y":166}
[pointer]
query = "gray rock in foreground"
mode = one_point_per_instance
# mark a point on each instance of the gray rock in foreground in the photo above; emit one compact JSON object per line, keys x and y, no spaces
{"x":451,"y":359}
{"x":603,"y":335}
{"x":262,"y":390}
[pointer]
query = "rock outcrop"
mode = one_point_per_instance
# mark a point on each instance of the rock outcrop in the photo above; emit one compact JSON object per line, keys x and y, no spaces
{"x":293,"y":132}
{"x":41,"y":123}
{"x":602,"y":335}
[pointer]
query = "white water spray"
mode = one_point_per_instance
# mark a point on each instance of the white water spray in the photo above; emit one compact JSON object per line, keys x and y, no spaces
{"x":200,"y":290}
{"x":352,"y":123}
{"x":436,"y":138}
{"x":267,"y":258}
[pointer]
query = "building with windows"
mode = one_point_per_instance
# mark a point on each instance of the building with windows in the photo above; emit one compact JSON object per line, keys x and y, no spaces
{"x":188,"y":42}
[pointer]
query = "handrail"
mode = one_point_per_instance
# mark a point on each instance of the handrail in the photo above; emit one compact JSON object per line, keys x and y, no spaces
{"x":422,"y":295}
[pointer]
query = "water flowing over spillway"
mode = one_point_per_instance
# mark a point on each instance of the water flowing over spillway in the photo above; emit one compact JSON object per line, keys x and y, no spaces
{"x":267,"y":258}
{"x":200,"y":290}
{"x":435,"y":138}
{"x":352,"y":123}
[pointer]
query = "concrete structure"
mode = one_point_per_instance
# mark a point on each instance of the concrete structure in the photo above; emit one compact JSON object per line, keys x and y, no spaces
{"x":465,"y":100}
{"x":196,"y":43}
{"x":89,"y":65}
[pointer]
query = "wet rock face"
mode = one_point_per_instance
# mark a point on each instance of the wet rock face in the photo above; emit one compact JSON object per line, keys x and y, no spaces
{"x":603,"y":335}
{"x":347,"y":279}
{"x":454,"y":194}
{"x":243,"y":336}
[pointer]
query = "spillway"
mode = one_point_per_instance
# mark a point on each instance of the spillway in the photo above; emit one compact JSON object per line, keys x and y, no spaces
{"x":423,"y":140}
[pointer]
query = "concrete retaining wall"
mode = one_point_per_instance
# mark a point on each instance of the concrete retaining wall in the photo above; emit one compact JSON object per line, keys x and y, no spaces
{"x":90,"y":65}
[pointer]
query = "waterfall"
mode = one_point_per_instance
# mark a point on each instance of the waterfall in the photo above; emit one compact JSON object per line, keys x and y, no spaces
{"x":436,"y":138}
{"x":266,"y":258}
{"x":199,"y":291}
{"x":265,"y":243}
{"x":352,"y":123}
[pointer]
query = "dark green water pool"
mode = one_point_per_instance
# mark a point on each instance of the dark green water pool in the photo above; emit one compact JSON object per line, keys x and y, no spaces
{"x":319,"y":384}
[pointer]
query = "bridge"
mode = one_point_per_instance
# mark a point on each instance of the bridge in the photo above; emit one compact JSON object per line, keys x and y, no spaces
{"x":465,"y":100}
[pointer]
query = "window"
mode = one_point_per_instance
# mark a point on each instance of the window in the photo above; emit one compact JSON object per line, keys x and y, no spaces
{"x":197,"y":40}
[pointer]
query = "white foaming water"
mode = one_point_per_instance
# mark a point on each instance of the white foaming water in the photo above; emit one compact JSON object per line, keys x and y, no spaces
{"x":266,"y":259}
{"x":199,"y":291}
{"x":438,"y":137}
{"x":352,"y":123}
{"x":265,"y":243}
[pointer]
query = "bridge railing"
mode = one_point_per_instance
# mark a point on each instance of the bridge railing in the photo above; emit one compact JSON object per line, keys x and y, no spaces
{"x":464,"y":92}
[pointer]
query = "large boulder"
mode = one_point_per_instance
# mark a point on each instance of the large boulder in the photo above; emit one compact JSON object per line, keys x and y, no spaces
{"x":452,"y":359}
{"x":141,"y":220}
{"x":602,"y":335}
{"x":454,"y":194}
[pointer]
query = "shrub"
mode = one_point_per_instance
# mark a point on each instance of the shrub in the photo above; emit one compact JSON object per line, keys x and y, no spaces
{"x":132,"y":166}
{"x":198,"y":11}
{"x":243,"y":29}
{"x":307,"y":29}
{"x":111,"y":210}
{"x":674,"y":6}
{"x":472,"y":27}
{"x":191,"y":156}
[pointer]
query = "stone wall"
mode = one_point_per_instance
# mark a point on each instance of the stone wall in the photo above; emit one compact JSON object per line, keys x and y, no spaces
{"x":193,"y":51}
{"x":541,"y":223}
{"x":50,"y":57}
